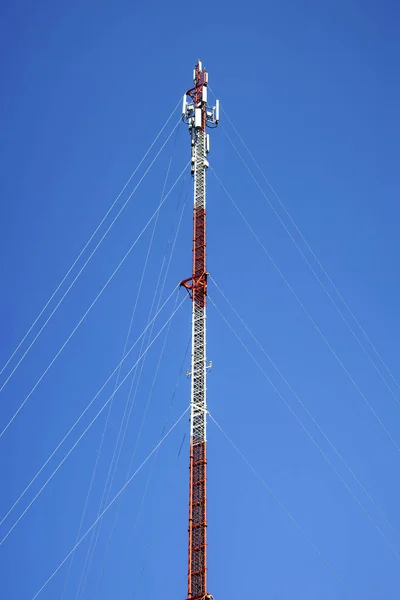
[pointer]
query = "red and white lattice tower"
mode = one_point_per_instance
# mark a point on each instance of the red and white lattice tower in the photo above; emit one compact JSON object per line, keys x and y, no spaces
{"x":198,"y":115}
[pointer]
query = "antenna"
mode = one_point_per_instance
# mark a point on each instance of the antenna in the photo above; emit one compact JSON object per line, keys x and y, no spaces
{"x":198,"y":115}
{"x":184,"y":106}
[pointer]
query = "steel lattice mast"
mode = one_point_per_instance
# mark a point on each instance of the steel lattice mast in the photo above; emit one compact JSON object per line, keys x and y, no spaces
{"x":198,"y":115}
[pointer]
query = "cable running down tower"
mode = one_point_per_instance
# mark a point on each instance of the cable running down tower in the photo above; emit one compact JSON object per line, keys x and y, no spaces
{"x":198,"y":115}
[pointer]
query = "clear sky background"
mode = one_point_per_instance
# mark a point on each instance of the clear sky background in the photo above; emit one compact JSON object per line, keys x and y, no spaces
{"x":313,"y":88}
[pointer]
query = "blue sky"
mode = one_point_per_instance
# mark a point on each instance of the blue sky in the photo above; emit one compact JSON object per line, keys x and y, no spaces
{"x":313,"y":88}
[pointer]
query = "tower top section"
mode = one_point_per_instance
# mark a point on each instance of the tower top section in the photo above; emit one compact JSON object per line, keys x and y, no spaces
{"x":196,"y":112}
